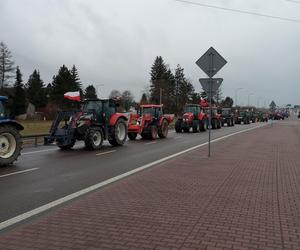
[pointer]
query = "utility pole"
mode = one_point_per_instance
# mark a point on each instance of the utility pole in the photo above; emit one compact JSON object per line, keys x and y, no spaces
{"x":236,"y":91}
{"x":160,"y":95}
{"x":249,"y":98}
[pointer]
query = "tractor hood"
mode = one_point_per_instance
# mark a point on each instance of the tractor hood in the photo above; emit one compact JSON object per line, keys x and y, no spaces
{"x":188,"y":116}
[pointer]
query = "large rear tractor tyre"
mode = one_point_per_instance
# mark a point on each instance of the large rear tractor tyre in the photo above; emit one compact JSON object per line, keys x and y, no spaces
{"x":213,"y":124}
{"x":93,"y":139}
{"x":164,"y":129}
{"x":195,"y":126}
{"x":178,"y":126}
{"x":10,"y":145}
{"x":118,"y":133}
{"x":67,"y":147}
{"x":153,"y":132}
{"x":219,"y":124}
{"x":132,"y":136}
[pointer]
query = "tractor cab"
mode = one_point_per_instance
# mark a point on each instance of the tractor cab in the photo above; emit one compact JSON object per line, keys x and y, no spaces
{"x":195,"y":109}
{"x":152,"y":110}
{"x":3,"y":111}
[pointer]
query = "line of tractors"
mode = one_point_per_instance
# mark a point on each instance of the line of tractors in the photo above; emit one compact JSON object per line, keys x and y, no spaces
{"x":98,"y":120}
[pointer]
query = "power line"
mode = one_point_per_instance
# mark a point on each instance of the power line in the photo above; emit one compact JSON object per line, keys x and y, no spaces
{"x":240,"y":11}
{"x":293,"y":1}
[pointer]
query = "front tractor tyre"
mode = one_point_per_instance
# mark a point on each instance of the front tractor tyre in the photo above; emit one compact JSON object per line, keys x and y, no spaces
{"x":203,"y":126}
{"x":132,"y":136}
{"x":68,"y":146}
{"x":118,"y":133}
{"x":195,"y":126}
{"x":153,"y":132}
{"x":93,"y":139}
{"x":164,"y":129}
{"x":10,"y":145}
{"x":178,"y":126}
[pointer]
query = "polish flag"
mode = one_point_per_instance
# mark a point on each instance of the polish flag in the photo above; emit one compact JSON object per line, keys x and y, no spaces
{"x":74,"y":96}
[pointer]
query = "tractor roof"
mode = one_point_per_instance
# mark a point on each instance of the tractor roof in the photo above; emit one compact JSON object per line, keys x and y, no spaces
{"x":3,"y":98}
{"x":152,"y":106}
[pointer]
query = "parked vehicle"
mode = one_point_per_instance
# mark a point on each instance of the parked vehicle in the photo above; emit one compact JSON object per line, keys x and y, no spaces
{"x":227,"y":117}
{"x":216,"y":118}
{"x":96,"y":121}
{"x":10,"y":138}
{"x":149,"y":122}
{"x":242,"y":116}
{"x":193,"y":118}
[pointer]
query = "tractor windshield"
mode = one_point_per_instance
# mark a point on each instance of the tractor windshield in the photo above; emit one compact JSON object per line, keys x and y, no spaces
{"x":192,"y":109}
{"x":225,"y":112}
{"x":92,"y":106}
{"x":153,"y":111}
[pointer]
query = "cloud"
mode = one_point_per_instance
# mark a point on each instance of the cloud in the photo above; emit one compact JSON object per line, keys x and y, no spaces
{"x":115,"y":42}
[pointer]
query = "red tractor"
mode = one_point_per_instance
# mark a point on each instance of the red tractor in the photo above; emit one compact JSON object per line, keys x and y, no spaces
{"x":96,"y":121}
{"x":149,"y":122}
{"x":216,"y":118}
{"x":193,"y":117}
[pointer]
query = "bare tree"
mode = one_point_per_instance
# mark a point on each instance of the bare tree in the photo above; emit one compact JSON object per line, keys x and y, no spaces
{"x":6,"y":65}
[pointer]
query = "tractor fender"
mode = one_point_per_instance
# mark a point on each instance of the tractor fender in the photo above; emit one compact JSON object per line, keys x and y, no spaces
{"x":13,"y":123}
{"x":115,"y":117}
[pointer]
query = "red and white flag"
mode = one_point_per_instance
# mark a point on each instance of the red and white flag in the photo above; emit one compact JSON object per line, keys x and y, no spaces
{"x":74,"y":96}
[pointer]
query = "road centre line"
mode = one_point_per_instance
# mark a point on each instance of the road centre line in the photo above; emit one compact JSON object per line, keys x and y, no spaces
{"x":149,"y":143}
{"x":84,"y":191}
{"x":19,"y":172}
{"x":107,"y":152}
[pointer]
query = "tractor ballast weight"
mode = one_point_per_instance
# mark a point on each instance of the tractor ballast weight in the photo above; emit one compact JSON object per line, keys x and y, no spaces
{"x":149,"y":122}
{"x":97,"y":121}
{"x":193,"y":117}
{"x":10,"y":138}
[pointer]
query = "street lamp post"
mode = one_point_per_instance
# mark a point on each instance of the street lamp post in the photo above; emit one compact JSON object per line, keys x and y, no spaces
{"x":236,"y":91}
{"x":249,"y":98}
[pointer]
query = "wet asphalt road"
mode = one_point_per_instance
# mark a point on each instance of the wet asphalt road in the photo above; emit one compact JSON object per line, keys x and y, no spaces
{"x":52,"y":173}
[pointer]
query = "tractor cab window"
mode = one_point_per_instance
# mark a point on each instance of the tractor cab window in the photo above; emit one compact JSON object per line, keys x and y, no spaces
{"x":2,"y":110}
{"x":225,"y":112}
{"x":93,"y":106}
{"x":193,"y":109}
{"x":155,"y":112}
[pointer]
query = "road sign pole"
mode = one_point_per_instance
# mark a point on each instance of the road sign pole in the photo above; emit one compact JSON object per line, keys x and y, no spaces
{"x":210,"y":99}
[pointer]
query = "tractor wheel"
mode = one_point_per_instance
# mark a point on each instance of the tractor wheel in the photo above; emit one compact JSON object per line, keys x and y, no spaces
{"x":153,"y":132}
{"x":178,"y":127}
{"x":203,"y":126}
{"x":164,"y":129}
{"x":93,"y":138}
{"x":195,"y":126}
{"x":213,"y":124}
{"x":219,"y":124}
{"x":132,"y":136}
{"x":186,"y":130}
{"x":118,"y":133}
{"x":10,"y":145}
{"x":67,"y":147}
{"x":232,"y":123}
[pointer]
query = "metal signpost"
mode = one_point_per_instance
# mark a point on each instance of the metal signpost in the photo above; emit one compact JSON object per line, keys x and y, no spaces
{"x":211,"y":62}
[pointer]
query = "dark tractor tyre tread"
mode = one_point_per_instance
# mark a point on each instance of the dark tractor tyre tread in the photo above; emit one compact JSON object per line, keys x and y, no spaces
{"x":186,"y":130}
{"x":195,"y":127}
{"x":67,"y":147}
{"x":19,"y":143}
{"x":153,"y":132}
{"x":89,"y":138}
{"x":219,"y":124}
{"x":163,"y":130}
{"x":114,"y":140}
{"x":213,"y":124}
{"x":178,"y":126}
{"x":203,"y":126}
{"x":132,"y":136}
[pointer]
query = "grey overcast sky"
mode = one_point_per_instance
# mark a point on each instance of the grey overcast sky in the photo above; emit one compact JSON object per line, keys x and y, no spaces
{"x":114,"y":42}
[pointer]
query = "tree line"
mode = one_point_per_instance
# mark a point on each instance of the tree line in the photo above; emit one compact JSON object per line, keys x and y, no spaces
{"x":173,"y":89}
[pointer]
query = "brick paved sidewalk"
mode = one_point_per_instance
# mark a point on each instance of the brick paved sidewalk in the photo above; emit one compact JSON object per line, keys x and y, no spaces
{"x":246,"y":197}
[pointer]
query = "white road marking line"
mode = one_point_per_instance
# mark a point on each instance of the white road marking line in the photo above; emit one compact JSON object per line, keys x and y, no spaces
{"x":177,"y":137}
{"x":69,"y":197}
{"x":39,"y":151}
{"x":18,"y":172}
{"x":107,"y":152}
{"x":149,"y":143}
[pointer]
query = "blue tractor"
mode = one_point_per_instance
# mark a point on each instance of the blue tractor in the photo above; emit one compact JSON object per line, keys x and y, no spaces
{"x":10,"y":138}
